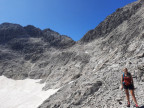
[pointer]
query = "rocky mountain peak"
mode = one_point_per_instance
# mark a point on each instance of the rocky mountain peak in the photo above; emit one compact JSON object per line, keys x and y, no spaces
{"x":9,"y":25}
{"x":33,"y":31}
{"x":9,"y":31}
{"x":112,"y":21}
{"x":57,"y":40}
{"x":48,"y":30}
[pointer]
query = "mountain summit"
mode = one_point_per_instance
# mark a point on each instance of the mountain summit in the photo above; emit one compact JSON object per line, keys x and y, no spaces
{"x":113,"y":21}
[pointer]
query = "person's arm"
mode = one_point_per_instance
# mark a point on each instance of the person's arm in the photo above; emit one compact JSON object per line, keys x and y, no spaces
{"x":132,"y":80}
{"x":122,"y":82}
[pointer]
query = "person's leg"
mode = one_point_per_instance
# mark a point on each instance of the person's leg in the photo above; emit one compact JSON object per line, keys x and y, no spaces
{"x":133,"y":96}
{"x":127,"y":95}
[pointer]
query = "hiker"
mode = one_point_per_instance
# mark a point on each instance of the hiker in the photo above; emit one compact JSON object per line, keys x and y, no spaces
{"x":128,"y":84}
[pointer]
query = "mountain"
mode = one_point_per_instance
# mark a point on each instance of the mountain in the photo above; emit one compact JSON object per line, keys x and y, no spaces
{"x":112,"y":22}
{"x":88,"y":72}
{"x":19,"y":45}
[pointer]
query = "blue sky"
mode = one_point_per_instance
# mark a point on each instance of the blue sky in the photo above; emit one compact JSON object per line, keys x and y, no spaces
{"x":68,"y":17}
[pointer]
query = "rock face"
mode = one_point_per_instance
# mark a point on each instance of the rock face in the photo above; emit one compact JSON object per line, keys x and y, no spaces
{"x":9,"y":31}
{"x":21,"y":47}
{"x":87,"y":72}
{"x":57,"y":40}
{"x":112,"y":22}
{"x":33,"y":31}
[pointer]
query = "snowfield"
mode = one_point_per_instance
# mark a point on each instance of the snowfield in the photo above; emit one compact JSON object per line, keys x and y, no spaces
{"x":26,"y":93}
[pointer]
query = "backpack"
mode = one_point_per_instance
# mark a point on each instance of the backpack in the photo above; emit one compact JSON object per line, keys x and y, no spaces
{"x":126,"y":82}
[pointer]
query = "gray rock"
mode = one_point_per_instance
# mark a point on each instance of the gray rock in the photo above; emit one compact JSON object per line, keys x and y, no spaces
{"x":111,"y":22}
{"x":9,"y":31}
{"x":56,"y":40}
{"x":88,"y":75}
{"x":33,"y":31}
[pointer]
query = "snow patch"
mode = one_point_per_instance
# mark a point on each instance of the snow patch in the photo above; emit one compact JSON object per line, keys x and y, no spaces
{"x":26,"y":93}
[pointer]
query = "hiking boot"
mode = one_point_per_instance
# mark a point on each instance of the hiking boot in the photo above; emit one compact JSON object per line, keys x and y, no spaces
{"x":136,"y":106}
{"x":128,"y":105}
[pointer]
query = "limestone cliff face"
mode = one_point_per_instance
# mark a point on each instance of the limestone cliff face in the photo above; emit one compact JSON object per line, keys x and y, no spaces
{"x":112,"y":21}
{"x":118,"y":42}
{"x":87,"y":72}
{"x":21,"y":47}
{"x":9,"y":31}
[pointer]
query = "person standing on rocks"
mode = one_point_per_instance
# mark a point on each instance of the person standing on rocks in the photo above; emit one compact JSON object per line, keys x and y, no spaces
{"x":128,"y":84}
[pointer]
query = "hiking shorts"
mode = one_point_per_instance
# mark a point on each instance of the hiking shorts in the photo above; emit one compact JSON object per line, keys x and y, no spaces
{"x":130,"y":87}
